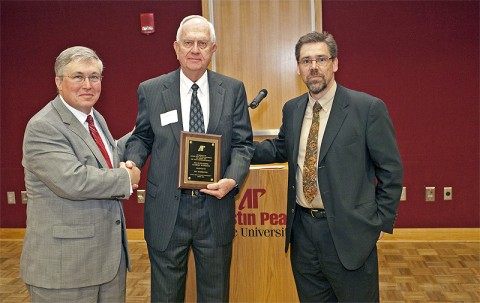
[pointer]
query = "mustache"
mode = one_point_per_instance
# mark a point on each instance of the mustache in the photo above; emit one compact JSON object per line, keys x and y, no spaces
{"x":315,"y":75}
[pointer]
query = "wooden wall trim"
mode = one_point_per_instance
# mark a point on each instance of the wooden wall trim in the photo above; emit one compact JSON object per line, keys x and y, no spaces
{"x":399,"y":235}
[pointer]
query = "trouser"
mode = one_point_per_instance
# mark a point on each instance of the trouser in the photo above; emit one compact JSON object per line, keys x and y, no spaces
{"x":319,"y":274}
{"x":212,"y":263}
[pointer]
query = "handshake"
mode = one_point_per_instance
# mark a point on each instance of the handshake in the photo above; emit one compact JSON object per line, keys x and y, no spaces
{"x":133,"y":171}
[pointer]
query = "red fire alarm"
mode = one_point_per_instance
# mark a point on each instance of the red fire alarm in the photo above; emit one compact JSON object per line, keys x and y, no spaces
{"x":147,"y":23}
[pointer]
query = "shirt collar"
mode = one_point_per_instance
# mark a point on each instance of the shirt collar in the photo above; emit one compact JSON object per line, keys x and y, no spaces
{"x":186,"y":83}
{"x":81,"y":116}
{"x":326,"y":100}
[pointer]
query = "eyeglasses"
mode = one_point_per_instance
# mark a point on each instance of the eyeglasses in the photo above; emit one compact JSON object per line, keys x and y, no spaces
{"x":320,"y":60}
{"x":81,"y":78}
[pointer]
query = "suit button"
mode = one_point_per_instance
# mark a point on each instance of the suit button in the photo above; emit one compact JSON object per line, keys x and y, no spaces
{"x":117,"y":222}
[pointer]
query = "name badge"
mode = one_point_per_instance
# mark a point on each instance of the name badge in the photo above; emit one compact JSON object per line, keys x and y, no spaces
{"x":169,"y":117}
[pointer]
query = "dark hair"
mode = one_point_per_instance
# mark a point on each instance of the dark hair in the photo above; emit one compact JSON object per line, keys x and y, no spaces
{"x":313,"y":37}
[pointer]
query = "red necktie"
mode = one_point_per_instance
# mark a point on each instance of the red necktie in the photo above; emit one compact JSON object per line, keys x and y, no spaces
{"x":96,"y":137}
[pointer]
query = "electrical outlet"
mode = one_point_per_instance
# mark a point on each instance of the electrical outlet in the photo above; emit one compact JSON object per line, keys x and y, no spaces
{"x":403,"y":196}
{"x":447,"y":193}
{"x":140,"y":196}
{"x":11,"y":197}
{"x":429,"y":194}
{"x":23,"y":194}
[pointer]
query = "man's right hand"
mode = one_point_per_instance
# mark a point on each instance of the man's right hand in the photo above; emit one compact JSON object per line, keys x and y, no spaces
{"x":133,"y":171}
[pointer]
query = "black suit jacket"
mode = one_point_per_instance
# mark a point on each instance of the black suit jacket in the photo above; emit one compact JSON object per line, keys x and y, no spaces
{"x":359,"y":170}
{"x":229,"y":118}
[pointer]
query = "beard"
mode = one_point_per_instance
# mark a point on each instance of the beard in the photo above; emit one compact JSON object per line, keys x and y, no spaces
{"x":316,"y":86}
{"x":316,"y":81}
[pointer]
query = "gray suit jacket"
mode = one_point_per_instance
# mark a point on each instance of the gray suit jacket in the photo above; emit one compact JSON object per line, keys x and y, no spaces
{"x":229,"y":118}
{"x":359,"y":170}
{"x":75,"y":222}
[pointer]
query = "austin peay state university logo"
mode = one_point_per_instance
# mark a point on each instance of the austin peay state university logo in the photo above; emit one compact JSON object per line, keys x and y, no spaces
{"x":252,"y":222}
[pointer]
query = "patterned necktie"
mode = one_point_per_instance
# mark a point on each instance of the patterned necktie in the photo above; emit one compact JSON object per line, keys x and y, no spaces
{"x":311,"y":155}
{"x":96,"y":137}
{"x":196,"y":114}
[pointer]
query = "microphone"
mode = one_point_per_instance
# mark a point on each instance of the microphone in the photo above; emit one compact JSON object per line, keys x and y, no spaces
{"x":261,"y":94}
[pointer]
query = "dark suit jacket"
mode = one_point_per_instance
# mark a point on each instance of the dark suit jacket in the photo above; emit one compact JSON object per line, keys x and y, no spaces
{"x":74,"y":232}
{"x":228,"y":117}
{"x":359,"y":170}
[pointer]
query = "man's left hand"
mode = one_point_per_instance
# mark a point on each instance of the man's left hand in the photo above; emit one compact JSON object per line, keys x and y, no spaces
{"x":219,"y":189}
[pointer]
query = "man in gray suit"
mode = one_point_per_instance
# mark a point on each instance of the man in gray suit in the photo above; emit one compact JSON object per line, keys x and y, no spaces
{"x":75,"y":247}
{"x":177,"y":220}
{"x":344,"y":179}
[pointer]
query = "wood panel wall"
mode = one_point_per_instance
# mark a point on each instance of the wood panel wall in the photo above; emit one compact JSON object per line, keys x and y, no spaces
{"x":256,"y":44}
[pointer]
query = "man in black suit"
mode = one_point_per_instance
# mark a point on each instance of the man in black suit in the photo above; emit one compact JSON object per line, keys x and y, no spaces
{"x":177,"y":220}
{"x":344,"y":179}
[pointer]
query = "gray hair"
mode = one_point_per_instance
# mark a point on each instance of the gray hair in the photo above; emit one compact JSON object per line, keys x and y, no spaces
{"x":313,"y":37}
{"x":210,"y":25}
{"x":75,"y":54}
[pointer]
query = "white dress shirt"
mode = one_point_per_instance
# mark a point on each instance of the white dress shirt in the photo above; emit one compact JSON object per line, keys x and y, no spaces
{"x":186,"y":99}
{"x":82,"y":117}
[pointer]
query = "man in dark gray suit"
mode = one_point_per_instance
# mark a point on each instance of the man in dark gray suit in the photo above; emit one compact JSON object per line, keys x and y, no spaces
{"x":344,"y":179}
{"x":177,"y":220}
{"x":75,"y":247}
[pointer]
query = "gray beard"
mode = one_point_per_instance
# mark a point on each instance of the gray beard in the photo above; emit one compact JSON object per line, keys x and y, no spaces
{"x":315,"y":89}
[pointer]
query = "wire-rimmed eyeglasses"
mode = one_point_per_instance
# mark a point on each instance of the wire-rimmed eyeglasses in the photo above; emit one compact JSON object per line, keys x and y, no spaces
{"x":320,"y":60}
{"x":81,"y":78}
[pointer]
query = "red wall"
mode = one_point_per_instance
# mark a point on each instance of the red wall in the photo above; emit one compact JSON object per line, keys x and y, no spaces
{"x":420,"y":57}
{"x":33,"y":33}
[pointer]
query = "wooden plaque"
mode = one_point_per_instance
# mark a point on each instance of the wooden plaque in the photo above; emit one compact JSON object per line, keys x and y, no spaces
{"x":199,"y":160}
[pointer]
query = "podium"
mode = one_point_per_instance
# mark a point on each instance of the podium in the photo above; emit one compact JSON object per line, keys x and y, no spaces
{"x":260,"y":269}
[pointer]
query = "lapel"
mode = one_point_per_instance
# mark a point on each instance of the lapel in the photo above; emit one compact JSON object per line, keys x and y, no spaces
{"x":337,"y":116}
{"x":72,"y":123}
{"x":217,"y":94}
{"x":171,"y":96}
{"x":297,"y":122}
